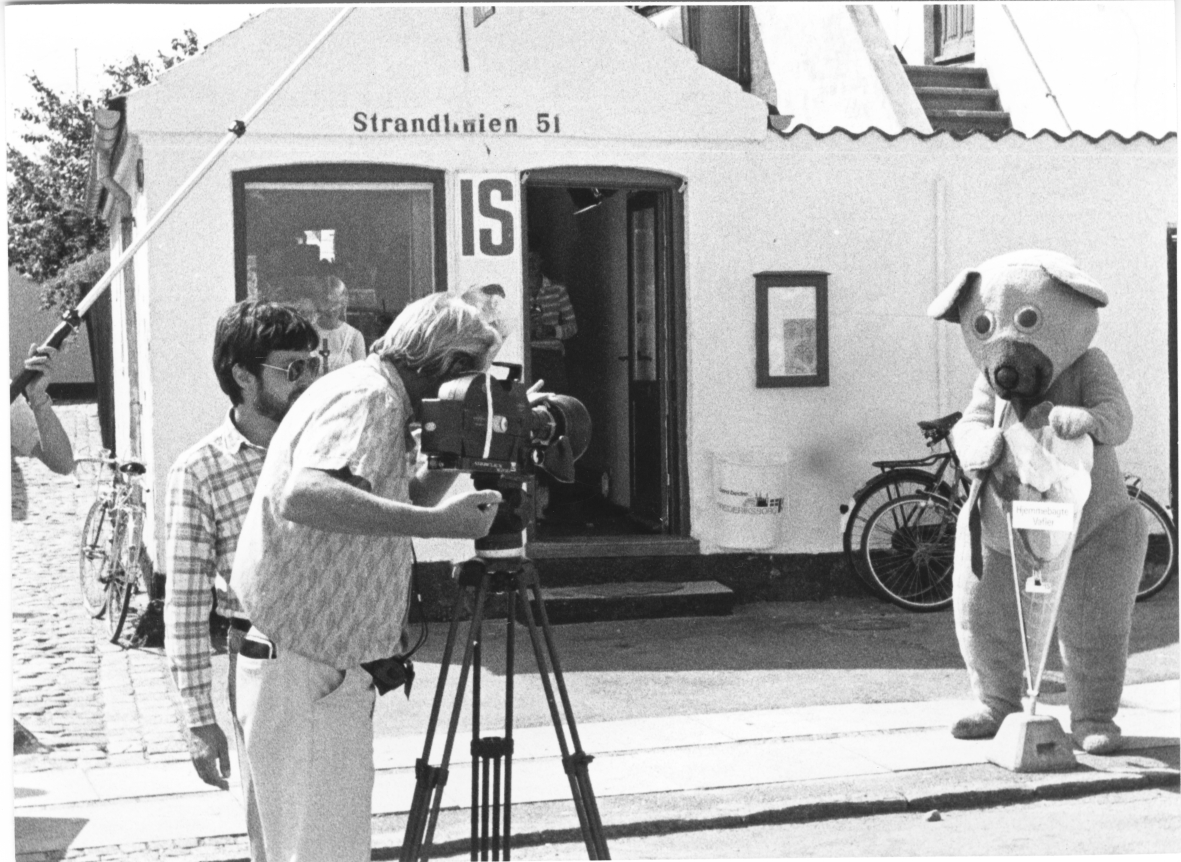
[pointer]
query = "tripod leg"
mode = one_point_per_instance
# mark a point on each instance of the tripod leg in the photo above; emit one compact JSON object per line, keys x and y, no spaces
{"x":510,"y":641}
{"x":579,"y":758}
{"x":478,"y":810}
{"x":575,"y":765}
{"x":439,"y":779}
{"x":427,"y":777}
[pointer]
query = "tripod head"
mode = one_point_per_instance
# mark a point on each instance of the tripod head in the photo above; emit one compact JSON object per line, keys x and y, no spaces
{"x":506,"y":538}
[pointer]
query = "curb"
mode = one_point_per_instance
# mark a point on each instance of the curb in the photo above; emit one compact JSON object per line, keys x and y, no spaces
{"x":647,"y":815}
{"x":640,"y":816}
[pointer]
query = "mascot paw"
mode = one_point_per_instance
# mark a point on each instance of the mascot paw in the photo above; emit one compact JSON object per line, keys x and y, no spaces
{"x":981,"y":724}
{"x":1071,"y":422}
{"x":979,"y":448}
{"x":1097,"y":737}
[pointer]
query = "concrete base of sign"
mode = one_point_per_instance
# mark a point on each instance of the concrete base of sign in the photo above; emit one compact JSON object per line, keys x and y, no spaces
{"x":1032,"y":743}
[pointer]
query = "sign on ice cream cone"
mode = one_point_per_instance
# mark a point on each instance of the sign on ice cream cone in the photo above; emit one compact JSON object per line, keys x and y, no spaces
{"x":1043,"y":482}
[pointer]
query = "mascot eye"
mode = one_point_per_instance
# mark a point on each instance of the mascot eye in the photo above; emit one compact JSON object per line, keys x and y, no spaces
{"x":984,"y":324}
{"x":1028,"y":319}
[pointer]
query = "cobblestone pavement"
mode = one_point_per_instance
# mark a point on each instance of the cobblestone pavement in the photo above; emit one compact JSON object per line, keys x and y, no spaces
{"x":87,"y":701}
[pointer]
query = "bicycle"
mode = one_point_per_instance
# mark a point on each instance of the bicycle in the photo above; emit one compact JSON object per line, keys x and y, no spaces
{"x":898,"y":479}
{"x":905,"y":547}
{"x":1160,"y":560}
{"x":112,"y":563}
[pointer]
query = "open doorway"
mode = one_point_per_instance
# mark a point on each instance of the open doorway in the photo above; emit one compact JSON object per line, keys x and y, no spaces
{"x":613,"y":338}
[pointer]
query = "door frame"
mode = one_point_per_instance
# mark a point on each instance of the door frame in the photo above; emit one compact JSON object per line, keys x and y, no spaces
{"x":673,"y":323}
{"x":1171,"y":262}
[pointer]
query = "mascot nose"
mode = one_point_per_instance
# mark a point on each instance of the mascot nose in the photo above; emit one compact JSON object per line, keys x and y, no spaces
{"x":1007,"y":377}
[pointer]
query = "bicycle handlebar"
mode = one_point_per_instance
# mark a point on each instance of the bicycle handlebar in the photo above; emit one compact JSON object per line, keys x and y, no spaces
{"x":128,"y":468}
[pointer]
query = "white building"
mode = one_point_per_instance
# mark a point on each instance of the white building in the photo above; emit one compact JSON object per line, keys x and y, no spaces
{"x":378,"y":141}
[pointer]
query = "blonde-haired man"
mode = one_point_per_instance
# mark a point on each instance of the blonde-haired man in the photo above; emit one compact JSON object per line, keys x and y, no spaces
{"x":323,"y":567}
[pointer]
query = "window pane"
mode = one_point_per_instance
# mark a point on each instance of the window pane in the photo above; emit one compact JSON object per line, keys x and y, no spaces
{"x":377,"y":238}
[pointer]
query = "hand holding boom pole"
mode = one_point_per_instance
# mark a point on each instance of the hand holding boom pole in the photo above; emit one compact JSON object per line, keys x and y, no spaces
{"x":72,"y":319}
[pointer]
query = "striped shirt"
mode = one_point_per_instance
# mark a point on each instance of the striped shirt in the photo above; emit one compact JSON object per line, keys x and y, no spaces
{"x":551,"y":316}
{"x":336,"y":598}
{"x":208,"y":494}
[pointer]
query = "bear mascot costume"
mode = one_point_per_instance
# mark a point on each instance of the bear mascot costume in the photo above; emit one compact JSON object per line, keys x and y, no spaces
{"x":1028,"y":318}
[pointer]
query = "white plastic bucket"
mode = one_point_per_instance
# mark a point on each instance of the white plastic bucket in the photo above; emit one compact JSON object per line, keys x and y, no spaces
{"x":748,"y":491}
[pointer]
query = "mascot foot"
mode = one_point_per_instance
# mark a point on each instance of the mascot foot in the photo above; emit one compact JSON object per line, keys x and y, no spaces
{"x":1097,"y":737}
{"x":981,"y":724}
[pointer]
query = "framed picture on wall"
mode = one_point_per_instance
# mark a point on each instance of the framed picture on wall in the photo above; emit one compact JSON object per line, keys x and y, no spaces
{"x":791,"y":329}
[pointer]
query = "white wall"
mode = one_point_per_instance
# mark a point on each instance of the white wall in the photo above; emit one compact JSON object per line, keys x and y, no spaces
{"x":1112,"y":65}
{"x":865,"y":212}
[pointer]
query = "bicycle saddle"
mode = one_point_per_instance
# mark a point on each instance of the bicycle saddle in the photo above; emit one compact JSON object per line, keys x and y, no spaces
{"x":132,"y":468}
{"x":943,"y":423}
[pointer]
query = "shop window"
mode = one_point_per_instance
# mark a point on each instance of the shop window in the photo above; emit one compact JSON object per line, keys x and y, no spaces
{"x":304,"y":230}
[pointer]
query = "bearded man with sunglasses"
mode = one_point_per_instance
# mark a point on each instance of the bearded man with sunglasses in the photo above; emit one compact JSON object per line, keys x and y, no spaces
{"x":262,"y":356}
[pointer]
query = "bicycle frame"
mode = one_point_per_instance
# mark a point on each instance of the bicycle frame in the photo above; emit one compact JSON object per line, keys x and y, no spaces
{"x":119,"y":500}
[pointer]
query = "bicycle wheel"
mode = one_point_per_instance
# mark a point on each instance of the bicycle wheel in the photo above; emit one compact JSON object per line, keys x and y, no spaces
{"x":909,"y":548}
{"x":870,"y":497}
{"x":1160,"y":561}
{"x":122,"y":581}
{"x":94,"y":557}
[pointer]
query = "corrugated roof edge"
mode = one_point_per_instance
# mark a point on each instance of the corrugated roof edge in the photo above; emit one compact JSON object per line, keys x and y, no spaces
{"x":925,"y":135}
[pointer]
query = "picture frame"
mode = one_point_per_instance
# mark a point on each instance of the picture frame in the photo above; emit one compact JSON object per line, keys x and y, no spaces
{"x":791,"y":329}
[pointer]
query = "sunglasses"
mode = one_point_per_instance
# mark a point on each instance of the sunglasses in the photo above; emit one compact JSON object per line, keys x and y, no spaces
{"x":296,"y":369}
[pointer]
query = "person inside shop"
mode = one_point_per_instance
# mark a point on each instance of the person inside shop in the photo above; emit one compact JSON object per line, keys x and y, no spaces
{"x":343,"y":343}
{"x":263,"y":360}
{"x":551,"y":325}
{"x":323,"y":568}
{"x":37,"y":431}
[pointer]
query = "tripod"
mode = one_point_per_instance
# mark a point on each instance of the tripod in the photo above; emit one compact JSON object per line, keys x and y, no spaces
{"x":515,"y":577}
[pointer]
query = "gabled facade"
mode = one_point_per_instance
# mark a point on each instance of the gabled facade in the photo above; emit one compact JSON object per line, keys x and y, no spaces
{"x":390,"y":159}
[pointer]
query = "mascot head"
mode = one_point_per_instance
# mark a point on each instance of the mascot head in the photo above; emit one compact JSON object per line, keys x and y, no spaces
{"x":1026,"y":317}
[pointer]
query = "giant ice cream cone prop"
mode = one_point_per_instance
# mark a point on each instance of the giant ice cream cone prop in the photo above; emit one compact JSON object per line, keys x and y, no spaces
{"x":1043,"y":482}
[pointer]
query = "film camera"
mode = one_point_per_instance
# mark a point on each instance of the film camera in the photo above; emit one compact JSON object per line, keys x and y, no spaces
{"x":485,"y":425}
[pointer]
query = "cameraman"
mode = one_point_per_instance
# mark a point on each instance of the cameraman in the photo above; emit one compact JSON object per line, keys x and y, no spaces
{"x":323,"y":566}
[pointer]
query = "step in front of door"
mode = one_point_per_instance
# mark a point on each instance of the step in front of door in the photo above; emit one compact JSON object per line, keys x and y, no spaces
{"x":636,"y":600}
{"x":957,"y":98}
{"x":947,"y":76}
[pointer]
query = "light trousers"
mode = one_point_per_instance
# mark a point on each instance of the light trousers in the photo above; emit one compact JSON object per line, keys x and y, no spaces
{"x":308,"y":729}
{"x":253,"y":826}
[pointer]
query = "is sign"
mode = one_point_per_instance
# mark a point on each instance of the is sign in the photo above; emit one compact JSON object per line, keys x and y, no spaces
{"x":488,"y":216}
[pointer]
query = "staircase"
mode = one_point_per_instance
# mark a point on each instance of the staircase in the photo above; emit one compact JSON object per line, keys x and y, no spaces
{"x":959,"y":100}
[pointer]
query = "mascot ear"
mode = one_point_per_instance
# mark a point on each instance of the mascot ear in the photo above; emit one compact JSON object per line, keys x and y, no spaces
{"x":1066,"y":271}
{"x":946,"y":304}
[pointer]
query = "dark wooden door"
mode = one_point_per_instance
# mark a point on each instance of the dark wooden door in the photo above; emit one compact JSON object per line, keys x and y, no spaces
{"x":647,"y":399}
{"x":954,"y":32}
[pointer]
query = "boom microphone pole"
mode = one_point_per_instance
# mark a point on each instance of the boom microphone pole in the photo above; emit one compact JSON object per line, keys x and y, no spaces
{"x":72,"y":319}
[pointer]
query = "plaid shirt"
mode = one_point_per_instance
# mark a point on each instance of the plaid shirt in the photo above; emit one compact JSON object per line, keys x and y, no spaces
{"x":551,"y":316}
{"x":208,"y":494}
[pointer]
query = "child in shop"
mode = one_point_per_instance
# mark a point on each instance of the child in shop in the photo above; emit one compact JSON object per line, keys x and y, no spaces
{"x":344,"y":343}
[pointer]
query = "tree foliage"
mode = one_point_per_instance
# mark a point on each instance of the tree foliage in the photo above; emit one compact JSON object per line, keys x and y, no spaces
{"x":51,"y":239}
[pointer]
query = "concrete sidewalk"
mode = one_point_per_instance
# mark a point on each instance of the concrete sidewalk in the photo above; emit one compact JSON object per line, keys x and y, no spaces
{"x":671,"y":773}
